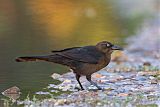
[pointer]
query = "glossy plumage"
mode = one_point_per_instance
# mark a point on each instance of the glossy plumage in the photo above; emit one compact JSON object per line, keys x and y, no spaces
{"x":82,"y":60}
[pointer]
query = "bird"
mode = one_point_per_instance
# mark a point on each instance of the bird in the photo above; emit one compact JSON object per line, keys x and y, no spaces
{"x":84,"y":61}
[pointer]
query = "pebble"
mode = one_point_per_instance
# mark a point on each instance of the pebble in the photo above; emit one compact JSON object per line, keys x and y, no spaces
{"x":56,"y":76}
{"x":42,"y":93}
{"x":141,"y":78}
{"x":115,"y":85}
{"x":12,"y":90}
{"x":143,"y":73}
{"x":123,"y":94}
{"x":60,"y":102}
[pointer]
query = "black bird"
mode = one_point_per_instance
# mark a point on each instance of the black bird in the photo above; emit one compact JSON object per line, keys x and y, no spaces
{"x":84,"y":61}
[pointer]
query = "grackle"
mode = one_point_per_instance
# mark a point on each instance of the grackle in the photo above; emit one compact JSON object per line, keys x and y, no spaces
{"x":84,"y":61}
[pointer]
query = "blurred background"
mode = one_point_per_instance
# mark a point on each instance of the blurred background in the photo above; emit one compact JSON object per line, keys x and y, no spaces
{"x":34,"y":27}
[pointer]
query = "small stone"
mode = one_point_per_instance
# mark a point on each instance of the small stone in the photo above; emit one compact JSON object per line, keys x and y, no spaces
{"x":146,"y":64}
{"x":42,"y":93}
{"x":51,"y":86}
{"x":102,"y":81}
{"x":13,"y":93}
{"x":66,"y":81}
{"x":151,"y":77}
{"x":122,"y":94}
{"x":141,"y":78}
{"x":55,"y":91}
{"x":147,"y":73}
{"x":98,"y":76}
{"x":56,"y":76}
{"x":154,"y":81}
{"x":99,"y":104}
{"x":148,"y":89}
{"x":60,"y":102}
{"x":12,"y":90}
{"x":116,"y":78}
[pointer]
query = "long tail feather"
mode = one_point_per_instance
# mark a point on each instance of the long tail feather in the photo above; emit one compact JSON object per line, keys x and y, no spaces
{"x":31,"y":58}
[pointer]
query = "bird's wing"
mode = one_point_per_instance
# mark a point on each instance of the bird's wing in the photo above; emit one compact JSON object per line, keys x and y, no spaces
{"x":64,"y":49}
{"x":87,"y":54}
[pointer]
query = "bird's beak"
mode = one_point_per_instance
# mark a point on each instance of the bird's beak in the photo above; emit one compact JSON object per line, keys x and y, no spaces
{"x":115,"y":47}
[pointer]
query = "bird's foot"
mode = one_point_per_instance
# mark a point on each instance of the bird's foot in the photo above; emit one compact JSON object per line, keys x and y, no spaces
{"x":79,"y":89}
{"x":99,"y":88}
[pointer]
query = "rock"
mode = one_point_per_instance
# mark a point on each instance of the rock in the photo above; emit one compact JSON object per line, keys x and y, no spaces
{"x":102,"y":81}
{"x":141,"y":78}
{"x":116,"y":78}
{"x":153,"y":73}
{"x":123,"y":94}
{"x":99,"y":104}
{"x":55,"y":91}
{"x":13,"y":93}
{"x":67,"y":81}
{"x":12,"y":90}
{"x":154,"y":81}
{"x":60,"y":102}
{"x":42,"y":93}
{"x":151,"y":77}
{"x":56,"y":76}
{"x":147,"y":89}
{"x":96,"y":75}
{"x":146,"y":64}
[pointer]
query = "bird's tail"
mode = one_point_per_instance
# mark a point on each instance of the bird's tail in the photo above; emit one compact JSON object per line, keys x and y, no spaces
{"x":31,"y":58}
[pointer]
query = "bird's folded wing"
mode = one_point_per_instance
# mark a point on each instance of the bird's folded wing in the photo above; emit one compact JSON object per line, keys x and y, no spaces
{"x":87,"y":54}
{"x":64,"y":49}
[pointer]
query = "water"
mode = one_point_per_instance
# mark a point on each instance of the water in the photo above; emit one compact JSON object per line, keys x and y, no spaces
{"x":31,"y":28}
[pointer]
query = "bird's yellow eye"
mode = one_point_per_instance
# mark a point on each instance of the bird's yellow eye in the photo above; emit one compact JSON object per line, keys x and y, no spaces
{"x":108,"y":45}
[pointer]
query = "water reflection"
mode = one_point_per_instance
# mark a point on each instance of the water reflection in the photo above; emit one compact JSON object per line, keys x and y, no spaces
{"x":79,"y":22}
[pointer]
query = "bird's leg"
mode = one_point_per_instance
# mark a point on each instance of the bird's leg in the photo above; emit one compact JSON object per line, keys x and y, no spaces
{"x":88,"y":77}
{"x":77,"y":77}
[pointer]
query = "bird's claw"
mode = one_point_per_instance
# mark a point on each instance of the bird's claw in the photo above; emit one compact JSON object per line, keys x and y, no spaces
{"x":99,"y":88}
{"x":79,"y":89}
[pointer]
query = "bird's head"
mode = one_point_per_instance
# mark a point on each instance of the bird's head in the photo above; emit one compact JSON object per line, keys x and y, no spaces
{"x":107,"y":47}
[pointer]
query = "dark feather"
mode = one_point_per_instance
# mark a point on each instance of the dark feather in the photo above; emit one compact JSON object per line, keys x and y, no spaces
{"x":87,"y":54}
{"x":64,"y":49}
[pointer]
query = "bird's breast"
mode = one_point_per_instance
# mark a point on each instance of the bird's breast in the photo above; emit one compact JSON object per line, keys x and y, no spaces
{"x":88,"y":69}
{"x":103,"y":63}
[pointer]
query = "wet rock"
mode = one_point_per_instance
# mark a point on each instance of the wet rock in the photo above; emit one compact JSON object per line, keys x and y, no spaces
{"x":153,"y":73}
{"x":97,"y":75}
{"x":60,"y":102}
{"x":67,"y":81}
{"x":14,"y":97}
{"x":12,"y":90}
{"x":102,"y":81}
{"x":56,"y":76}
{"x":151,"y":77}
{"x":154,"y":81}
{"x":148,"y":89}
{"x":13,"y":93}
{"x":52,"y":86}
{"x":146,"y":64}
{"x":141,"y":78}
{"x":42,"y":93}
{"x":123,"y":94}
